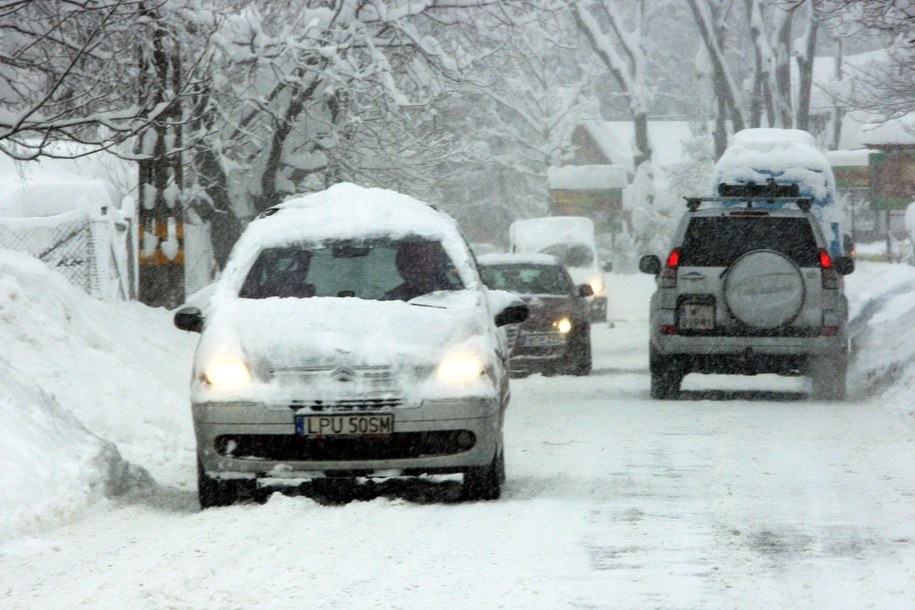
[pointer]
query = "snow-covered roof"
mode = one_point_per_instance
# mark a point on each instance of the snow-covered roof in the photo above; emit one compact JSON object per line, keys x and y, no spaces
{"x":51,"y":186}
{"x":534,"y":234}
{"x":616,"y":139}
{"x":587,"y":177}
{"x":850,"y":158}
{"x":525,"y":258}
{"x":894,"y":132}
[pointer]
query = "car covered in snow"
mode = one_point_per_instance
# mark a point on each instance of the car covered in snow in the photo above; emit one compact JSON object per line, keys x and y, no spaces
{"x":349,"y":336}
{"x":556,"y":337}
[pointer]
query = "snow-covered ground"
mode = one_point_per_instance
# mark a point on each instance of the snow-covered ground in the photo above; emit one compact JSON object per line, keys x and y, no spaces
{"x":743,"y":495}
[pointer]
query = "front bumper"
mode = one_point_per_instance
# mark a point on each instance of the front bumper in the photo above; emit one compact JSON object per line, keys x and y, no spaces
{"x":253,"y":440}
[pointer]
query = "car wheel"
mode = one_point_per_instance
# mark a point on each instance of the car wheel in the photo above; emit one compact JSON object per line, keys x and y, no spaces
{"x":222,"y":492}
{"x":485,"y":483}
{"x":827,"y":376}
{"x":666,"y":376}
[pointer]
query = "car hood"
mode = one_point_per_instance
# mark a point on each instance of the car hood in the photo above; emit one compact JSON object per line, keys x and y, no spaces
{"x":281,"y":340}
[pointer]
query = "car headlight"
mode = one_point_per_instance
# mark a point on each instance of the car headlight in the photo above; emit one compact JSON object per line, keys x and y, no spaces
{"x":563,"y":325}
{"x":460,"y":368}
{"x":597,"y":285}
{"x":227,"y":374}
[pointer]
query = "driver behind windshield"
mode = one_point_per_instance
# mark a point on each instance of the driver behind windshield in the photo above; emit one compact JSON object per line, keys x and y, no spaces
{"x":423,"y":266}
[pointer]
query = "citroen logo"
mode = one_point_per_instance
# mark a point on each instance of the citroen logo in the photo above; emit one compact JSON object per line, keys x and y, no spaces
{"x":343,"y":374}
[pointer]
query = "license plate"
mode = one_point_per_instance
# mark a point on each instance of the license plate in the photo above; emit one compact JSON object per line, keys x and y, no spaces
{"x":697,"y":316}
{"x":334,"y":425}
{"x":542,"y":340}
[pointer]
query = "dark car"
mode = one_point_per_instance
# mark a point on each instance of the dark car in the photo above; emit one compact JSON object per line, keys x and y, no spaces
{"x":556,"y":337}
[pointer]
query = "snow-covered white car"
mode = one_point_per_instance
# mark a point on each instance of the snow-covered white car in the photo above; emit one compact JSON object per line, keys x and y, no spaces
{"x":326,"y":353}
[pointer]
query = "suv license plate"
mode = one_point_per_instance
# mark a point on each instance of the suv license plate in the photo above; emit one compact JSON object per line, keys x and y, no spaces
{"x":334,"y":425}
{"x":696,"y":316}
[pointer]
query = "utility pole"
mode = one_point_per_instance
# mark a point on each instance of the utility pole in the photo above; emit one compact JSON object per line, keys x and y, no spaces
{"x":161,"y":210}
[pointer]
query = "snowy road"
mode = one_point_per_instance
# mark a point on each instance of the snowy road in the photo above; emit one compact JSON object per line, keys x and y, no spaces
{"x":734,"y":498}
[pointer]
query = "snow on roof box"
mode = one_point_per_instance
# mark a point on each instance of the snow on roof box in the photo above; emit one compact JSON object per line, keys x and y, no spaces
{"x":785,"y":155}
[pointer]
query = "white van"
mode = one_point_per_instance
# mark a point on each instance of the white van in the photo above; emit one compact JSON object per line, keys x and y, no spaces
{"x":571,"y":240}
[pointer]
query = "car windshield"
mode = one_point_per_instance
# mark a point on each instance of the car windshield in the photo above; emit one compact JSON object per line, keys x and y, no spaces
{"x":375,"y":270}
{"x":571,"y":255}
{"x":719,"y":241}
{"x":527,"y":279}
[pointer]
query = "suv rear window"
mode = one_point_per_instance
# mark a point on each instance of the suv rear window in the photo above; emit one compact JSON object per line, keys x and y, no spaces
{"x":719,"y":241}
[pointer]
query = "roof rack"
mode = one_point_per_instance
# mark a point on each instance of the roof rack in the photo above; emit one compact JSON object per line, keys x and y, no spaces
{"x":768,"y":189}
{"x":803,"y":203}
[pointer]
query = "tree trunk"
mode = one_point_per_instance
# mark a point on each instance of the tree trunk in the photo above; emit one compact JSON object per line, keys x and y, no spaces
{"x":161,"y":274}
{"x":805,"y":73}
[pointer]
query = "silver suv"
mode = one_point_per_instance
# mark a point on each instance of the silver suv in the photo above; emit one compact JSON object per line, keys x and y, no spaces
{"x":749,"y":287}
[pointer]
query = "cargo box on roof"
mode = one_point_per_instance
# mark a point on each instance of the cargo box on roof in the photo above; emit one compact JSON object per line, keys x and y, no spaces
{"x":785,"y":157}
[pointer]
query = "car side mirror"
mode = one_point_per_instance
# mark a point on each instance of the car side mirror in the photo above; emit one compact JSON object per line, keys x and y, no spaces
{"x":189,"y":319}
{"x":845,"y":264}
{"x":585,"y":290}
{"x":650,"y":263}
{"x":608,"y":267}
{"x":513,"y":314}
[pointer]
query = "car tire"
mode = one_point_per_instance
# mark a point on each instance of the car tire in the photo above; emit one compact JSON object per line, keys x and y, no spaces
{"x":219,"y":492}
{"x":828,"y":376}
{"x":666,"y":376}
{"x":485,"y":483}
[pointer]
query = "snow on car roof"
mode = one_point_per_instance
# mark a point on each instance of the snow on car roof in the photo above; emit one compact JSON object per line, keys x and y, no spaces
{"x":528,"y":258}
{"x":349,"y":211}
{"x":534,"y":234}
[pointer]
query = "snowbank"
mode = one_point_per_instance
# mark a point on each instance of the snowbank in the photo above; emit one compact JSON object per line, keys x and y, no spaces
{"x":83,"y":382}
{"x":882,"y":327}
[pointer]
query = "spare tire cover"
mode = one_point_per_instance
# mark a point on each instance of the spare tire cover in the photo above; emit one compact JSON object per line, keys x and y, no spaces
{"x":764,"y":289}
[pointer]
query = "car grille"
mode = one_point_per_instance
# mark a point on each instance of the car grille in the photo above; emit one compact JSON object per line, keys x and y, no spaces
{"x":378,"y":375}
{"x":400,"y":445}
{"x":356,"y":404}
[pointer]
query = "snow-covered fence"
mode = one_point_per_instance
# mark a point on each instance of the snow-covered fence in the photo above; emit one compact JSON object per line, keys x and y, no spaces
{"x":94,"y":253}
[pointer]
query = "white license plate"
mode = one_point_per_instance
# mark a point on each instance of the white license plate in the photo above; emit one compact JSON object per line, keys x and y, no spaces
{"x":542,"y":340}
{"x":334,"y":425}
{"x":696,"y":316}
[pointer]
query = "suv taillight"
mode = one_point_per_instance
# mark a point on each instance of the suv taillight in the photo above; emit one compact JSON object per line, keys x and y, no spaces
{"x":829,"y":275}
{"x":668,"y":276}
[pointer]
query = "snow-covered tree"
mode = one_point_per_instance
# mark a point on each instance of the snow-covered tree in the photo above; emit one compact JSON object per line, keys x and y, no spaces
{"x":70,"y":70}
{"x":516,"y":114}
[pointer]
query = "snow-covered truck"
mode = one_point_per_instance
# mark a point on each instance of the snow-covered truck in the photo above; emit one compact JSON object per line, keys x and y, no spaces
{"x":761,"y":156}
{"x":571,"y":240}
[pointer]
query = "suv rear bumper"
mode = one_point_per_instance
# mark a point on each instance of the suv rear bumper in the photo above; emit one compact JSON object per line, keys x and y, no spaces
{"x":747,"y":355}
